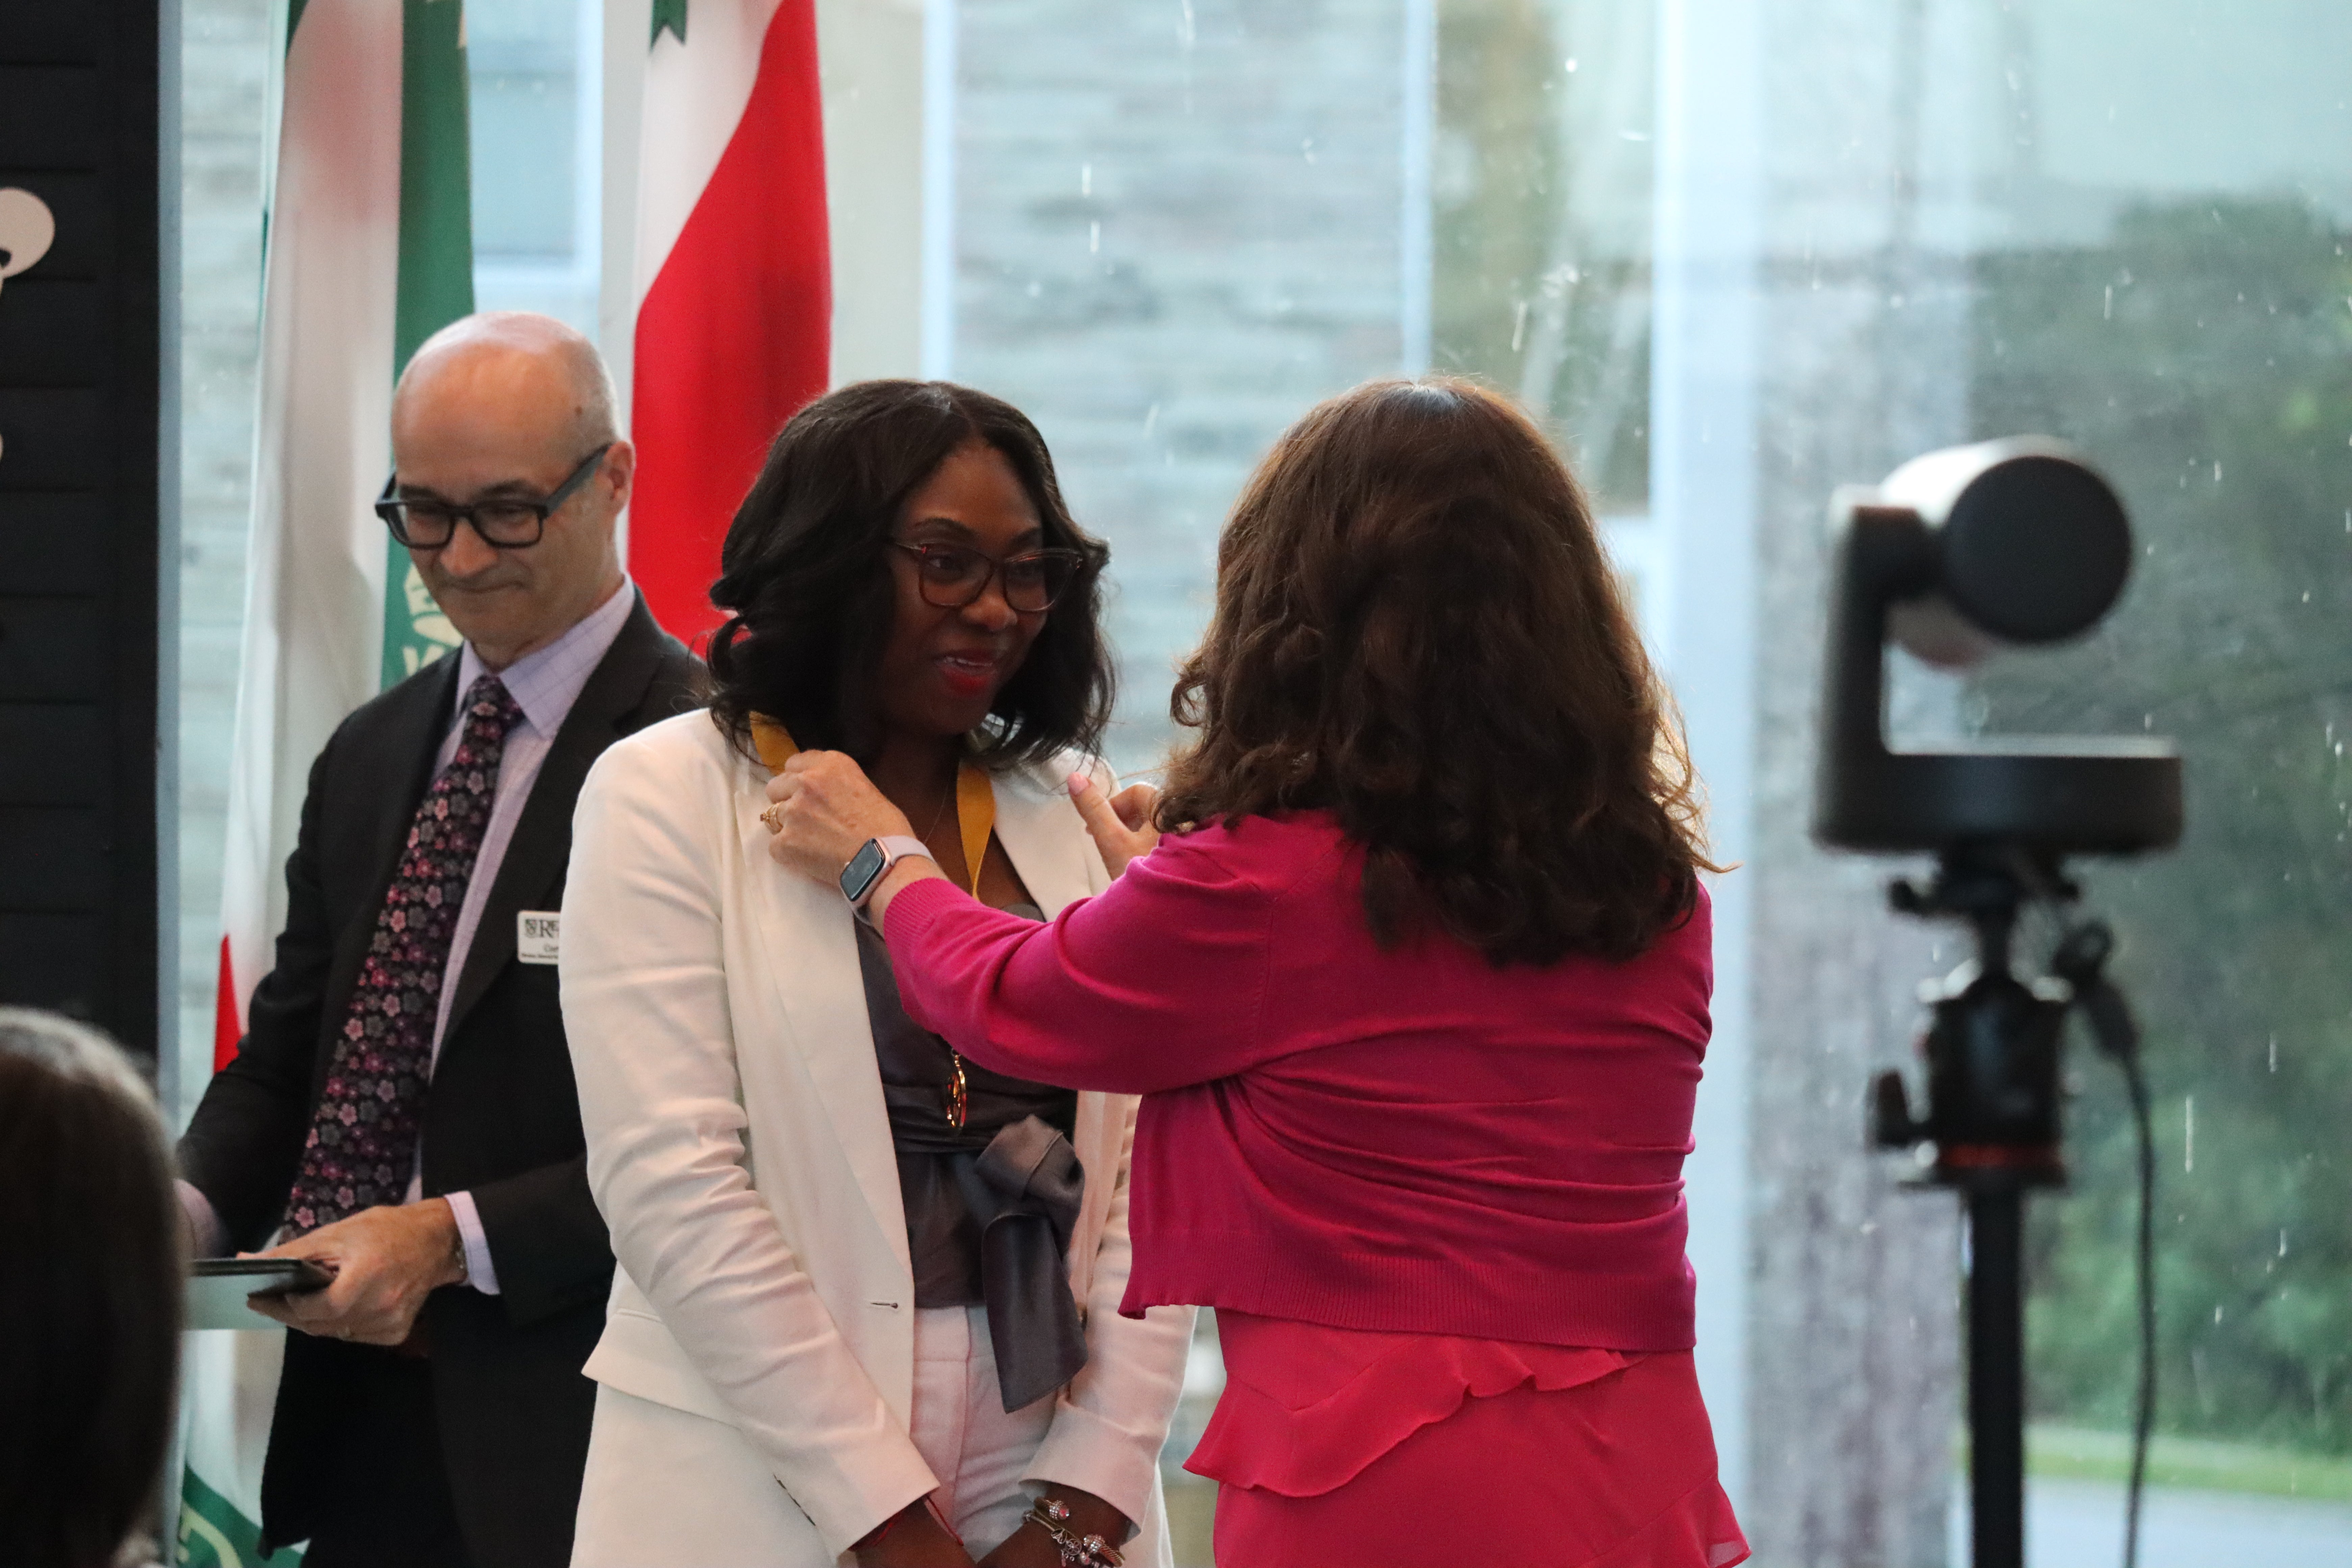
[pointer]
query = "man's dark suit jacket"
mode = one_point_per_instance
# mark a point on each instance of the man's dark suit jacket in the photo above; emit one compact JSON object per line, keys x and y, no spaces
{"x":502,"y":1119}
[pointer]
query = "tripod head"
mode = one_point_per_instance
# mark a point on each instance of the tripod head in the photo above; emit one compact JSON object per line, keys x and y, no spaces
{"x":1992,"y":1051}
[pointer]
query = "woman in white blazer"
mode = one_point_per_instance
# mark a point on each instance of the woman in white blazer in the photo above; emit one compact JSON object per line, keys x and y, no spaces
{"x":868,"y":1293}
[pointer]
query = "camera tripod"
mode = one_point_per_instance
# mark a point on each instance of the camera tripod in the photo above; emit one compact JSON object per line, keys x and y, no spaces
{"x":1992,"y":1058}
{"x":2016,"y":543}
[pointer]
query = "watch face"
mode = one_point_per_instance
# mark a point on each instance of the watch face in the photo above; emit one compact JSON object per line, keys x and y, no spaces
{"x":863,"y":867}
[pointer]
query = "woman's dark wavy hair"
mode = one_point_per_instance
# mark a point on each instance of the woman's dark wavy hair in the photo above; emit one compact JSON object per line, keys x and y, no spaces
{"x":1416,"y":630}
{"x":805,"y":578}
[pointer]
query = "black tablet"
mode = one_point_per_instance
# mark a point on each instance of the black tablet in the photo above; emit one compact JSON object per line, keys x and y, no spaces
{"x":217,"y":1289}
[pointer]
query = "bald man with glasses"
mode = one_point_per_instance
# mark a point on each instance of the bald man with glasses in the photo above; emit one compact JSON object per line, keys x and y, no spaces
{"x":402,"y":1107}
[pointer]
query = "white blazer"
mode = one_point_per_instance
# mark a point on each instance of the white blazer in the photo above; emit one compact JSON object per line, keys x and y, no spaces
{"x":739,"y":1151}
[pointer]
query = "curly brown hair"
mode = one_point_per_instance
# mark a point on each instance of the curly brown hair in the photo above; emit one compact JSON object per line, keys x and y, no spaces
{"x":1417,"y":630}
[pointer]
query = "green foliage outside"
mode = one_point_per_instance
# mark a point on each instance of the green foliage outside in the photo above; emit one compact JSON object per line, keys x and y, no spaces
{"x":2196,"y":1464}
{"x":2203,"y":357}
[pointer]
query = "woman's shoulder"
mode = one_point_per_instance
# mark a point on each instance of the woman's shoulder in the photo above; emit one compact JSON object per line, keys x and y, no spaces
{"x":1051,"y":777}
{"x":679,"y":753}
{"x":1689,"y":939}
{"x":1285,"y":837}
{"x":1280,"y":856}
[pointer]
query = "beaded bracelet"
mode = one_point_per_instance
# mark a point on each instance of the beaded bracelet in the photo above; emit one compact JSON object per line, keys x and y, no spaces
{"x":1051,"y":1515}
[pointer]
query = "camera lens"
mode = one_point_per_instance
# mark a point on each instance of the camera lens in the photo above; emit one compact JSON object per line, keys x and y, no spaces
{"x":2035,"y":549}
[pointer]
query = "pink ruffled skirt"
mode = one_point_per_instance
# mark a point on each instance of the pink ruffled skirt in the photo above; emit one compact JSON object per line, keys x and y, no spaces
{"x":1347,"y":1449}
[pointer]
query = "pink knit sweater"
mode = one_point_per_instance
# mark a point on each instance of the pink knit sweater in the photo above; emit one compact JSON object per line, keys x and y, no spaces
{"x":1408,"y":1140}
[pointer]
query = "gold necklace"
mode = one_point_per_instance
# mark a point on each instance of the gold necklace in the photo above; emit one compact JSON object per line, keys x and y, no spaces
{"x":958,"y":1107}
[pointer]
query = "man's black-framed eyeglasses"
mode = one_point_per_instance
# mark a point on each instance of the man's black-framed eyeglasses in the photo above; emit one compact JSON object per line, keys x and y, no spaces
{"x":950,"y":576}
{"x":505,"y":523}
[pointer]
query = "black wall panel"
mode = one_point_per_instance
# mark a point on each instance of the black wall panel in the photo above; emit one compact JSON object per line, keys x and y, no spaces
{"x":49,"y":960}
{"x":80,"y":525}
{"x":50,"y":751}
{"x":54,"y":542}
{"x":50,"y":324}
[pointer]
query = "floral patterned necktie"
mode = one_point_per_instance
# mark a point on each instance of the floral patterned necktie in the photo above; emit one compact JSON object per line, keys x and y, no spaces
{"x":363,"y":1142}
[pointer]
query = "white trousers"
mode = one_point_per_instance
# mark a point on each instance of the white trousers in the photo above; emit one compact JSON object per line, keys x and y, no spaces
{"x":669,"y":1490}
{"x":973,"y":1444}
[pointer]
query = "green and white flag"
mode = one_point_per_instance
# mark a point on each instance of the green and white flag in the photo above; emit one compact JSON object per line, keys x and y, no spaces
{"x":370,"y":252}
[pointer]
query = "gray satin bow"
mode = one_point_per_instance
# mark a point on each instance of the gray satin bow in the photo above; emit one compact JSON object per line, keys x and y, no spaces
{"x":1024,"y":1190}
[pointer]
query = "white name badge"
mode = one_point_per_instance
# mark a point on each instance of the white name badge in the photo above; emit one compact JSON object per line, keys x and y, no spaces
{"x":538,"y":936}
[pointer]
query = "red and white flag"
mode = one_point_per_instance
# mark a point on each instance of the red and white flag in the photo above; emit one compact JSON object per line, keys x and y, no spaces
{"x":733,"y":279}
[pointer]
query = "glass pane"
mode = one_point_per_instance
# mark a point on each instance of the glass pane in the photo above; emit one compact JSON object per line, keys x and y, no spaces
{"x":2169,"y":287}
{"x":1176,"y":227}
{"x":534,"y":68}
{"x":518,"y":210}
{"x":225,"y":61}
{"x":1540,"y":192}
{"x":1541,"y":186}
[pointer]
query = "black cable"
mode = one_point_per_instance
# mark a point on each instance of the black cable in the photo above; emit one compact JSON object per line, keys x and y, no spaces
{"x":2081,"y":961}
{"x":2143,"y":1416}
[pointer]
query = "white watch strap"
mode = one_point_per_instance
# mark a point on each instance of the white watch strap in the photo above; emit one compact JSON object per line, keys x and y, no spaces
{"x":897,"y":848}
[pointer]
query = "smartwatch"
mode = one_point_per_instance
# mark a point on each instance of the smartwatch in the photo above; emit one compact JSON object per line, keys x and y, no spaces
{"x":875,"y":857}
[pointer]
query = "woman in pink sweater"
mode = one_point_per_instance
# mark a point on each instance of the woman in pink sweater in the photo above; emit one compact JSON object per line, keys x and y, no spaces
{"x":1415,"y":990}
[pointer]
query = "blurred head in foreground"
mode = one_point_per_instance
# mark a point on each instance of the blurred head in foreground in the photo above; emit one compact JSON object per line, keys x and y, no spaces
{"x":1416,"y":630}
{"x":89,"y":1318}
